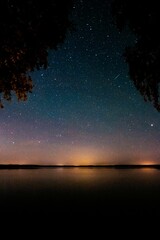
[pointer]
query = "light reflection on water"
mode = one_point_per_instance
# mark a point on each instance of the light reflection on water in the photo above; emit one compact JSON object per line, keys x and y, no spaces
{"x":92,"y":190}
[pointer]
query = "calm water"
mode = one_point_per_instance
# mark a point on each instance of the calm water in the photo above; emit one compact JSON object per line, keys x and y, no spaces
{"x":80,"y":190}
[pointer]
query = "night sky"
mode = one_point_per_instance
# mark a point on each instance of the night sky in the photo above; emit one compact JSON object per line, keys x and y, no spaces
{"x":84,"y":109}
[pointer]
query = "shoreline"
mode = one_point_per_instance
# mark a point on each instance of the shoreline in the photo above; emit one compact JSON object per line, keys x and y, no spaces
{"x":116,"y":166}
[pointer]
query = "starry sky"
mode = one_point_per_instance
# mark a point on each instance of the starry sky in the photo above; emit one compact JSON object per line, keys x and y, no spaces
{"x":84,"y":109}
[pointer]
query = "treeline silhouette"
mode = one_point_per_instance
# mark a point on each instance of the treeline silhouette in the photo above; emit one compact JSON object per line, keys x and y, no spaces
{"x":143,"y":58}
{"x":28,"y":29}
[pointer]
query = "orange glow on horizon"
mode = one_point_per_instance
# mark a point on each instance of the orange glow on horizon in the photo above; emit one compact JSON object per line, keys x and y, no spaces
{"x":54,"y":154}
{"x":83,"y":158}
{"x":147,"y":162}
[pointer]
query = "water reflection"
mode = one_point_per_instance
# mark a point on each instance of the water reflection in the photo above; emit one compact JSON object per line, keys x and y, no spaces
{"x":73,"y":190}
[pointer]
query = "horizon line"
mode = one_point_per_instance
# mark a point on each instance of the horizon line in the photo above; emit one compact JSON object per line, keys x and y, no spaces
{"x":36,"y":166}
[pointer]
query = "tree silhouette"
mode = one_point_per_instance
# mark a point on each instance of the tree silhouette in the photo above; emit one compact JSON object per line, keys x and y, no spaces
{"x":28,"y":29}
{"x":143,"y":58}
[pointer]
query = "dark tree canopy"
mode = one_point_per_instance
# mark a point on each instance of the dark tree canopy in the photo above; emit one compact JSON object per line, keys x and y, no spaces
{"x":27,"y":30}
{"x":143,"y":19}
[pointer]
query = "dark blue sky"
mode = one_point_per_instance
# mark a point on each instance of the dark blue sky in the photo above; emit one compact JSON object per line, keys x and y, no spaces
{"x":84,"y":109}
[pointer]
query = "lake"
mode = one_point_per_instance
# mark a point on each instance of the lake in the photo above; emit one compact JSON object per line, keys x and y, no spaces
{"x":89,"y":191}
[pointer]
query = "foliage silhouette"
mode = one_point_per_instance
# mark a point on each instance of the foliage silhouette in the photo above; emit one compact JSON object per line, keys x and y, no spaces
{"x":143,"y":58}
{"x":28,"y":29}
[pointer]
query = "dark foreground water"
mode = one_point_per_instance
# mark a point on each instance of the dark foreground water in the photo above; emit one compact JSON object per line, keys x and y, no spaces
{"x":86,"y":191}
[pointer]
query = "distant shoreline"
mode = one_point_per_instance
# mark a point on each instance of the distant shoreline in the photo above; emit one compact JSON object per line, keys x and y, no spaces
{"x":36,"y":166}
